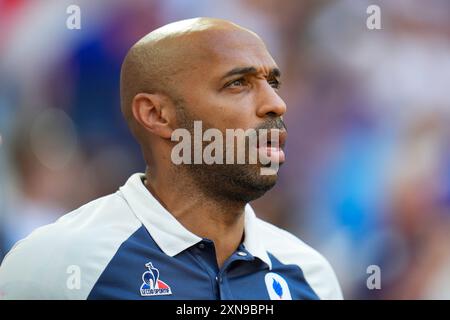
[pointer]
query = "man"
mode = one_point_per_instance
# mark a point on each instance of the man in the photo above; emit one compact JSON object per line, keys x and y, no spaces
{"x":180,"y":231}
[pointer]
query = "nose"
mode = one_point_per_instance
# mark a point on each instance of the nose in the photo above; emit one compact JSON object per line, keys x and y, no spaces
{"x":269,"y":102}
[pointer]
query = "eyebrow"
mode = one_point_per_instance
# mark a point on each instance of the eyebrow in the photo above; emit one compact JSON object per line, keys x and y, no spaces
{"x":274,"y":72}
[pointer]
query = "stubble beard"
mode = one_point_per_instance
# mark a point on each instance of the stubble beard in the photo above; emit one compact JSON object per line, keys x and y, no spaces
{"x":239,"y":183}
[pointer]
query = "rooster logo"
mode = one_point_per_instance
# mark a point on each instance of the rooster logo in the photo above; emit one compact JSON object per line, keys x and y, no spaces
{"x":151,"y":276}
{"x":152,"y":286}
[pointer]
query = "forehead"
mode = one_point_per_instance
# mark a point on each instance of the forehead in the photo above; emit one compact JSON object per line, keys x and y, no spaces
{"x":222,"y":50}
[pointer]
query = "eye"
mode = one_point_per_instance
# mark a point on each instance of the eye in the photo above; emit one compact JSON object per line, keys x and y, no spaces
{"x":274,"y":83}
{"x":237,"y":83}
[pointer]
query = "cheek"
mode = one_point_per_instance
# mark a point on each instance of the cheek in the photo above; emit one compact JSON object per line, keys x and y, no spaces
{"x":222,"y":110}
{"x":231,"y":110}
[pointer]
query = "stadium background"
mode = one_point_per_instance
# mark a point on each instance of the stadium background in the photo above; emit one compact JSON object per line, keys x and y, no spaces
{"x":367,"y":178}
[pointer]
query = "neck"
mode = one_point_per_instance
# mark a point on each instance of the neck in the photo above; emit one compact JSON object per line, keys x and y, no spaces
{"x":216,"y":219}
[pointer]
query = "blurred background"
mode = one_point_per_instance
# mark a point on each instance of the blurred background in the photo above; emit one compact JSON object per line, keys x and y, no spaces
{"x":367,"y":177}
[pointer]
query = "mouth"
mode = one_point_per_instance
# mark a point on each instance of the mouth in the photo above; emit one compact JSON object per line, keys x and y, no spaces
{"x":272,"y":148}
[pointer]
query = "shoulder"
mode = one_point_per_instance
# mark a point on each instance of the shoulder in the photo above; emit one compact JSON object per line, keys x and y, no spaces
{"x":289,"y":249}
{"x":63,"y":260}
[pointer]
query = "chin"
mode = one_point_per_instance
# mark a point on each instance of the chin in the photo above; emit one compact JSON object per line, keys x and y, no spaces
{"x":253,"y":187}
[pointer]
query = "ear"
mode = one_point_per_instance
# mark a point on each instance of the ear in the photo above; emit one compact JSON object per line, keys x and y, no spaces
{"x":152,"y":113}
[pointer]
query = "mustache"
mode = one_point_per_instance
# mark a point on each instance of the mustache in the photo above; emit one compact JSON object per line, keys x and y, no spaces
{"x":274,"y":123}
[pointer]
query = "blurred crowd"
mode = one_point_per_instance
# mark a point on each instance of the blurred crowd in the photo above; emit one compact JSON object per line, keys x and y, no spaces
{"x":367,"y":177}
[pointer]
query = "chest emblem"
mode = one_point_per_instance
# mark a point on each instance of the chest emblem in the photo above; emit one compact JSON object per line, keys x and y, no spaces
{"x":151,"y":285}
{"x":277,"y":287}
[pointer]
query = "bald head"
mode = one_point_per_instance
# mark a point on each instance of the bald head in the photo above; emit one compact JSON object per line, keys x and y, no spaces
{"x":159,"y":61}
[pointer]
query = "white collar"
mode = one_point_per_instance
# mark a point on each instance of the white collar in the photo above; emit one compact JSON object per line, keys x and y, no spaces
{"x":169,"y":234}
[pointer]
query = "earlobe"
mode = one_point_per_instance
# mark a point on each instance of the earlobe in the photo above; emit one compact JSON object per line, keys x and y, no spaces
{"x":149,"y":112}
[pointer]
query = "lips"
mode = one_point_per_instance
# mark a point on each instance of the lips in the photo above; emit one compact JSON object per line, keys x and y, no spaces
{"x":273,"y":150}
{"x":275,"y":154}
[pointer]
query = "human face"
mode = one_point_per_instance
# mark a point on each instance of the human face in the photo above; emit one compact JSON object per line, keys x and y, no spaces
{"x":233,"y":84}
